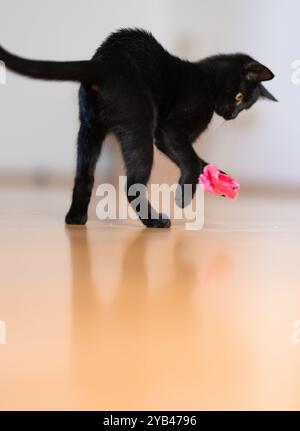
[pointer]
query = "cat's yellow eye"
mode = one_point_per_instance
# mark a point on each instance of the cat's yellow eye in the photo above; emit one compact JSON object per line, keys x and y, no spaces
{"x":239,"y":97}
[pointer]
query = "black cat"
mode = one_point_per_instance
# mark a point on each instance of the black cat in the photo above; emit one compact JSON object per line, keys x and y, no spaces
{"x":134,"y":88}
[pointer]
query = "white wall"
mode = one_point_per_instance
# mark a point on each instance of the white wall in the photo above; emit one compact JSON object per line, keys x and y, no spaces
{"x":39,"y":119}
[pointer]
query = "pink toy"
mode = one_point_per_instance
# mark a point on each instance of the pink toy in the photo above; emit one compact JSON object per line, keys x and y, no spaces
{"x":216,"y":183}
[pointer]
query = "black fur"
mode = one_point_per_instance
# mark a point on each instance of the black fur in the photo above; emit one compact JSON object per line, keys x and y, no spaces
{"x":134,"y":88}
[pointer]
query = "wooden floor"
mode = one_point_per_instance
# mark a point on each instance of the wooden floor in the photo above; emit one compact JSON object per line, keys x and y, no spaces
{"x":113,"y":316}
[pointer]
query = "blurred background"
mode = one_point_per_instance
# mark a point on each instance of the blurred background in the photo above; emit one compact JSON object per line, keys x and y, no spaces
{"x":39,"y":120}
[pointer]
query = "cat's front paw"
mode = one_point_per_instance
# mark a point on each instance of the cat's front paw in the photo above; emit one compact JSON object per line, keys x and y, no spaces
{"x":76,"y":219}
{"x":162,"y":222}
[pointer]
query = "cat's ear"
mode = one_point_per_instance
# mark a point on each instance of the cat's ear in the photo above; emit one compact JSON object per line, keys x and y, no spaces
{"x":265,"y":94}
{"x":258,"y":72}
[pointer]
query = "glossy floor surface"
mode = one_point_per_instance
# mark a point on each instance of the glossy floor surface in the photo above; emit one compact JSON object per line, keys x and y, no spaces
{"x":113,"y":316}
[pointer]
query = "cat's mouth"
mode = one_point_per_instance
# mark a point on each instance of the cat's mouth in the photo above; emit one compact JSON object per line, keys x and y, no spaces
{"x":228,"y":114}
{"x":229,"y":117}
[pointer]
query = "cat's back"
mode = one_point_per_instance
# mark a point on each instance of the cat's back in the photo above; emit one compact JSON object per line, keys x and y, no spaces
{"x":135,"y":43}
{"x":134,"y":56}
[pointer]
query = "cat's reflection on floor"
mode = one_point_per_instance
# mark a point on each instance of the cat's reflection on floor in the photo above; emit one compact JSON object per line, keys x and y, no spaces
{"x":143,"y":340}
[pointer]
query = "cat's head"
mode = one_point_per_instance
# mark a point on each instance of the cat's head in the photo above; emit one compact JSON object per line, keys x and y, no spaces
{"x":238,"y":84}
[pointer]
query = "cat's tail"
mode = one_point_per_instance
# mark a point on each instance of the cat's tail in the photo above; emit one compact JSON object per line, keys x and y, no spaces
{"x":81,"y":71}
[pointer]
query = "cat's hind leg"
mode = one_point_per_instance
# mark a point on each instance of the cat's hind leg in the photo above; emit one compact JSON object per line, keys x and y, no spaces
{"x":89,"y":143}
